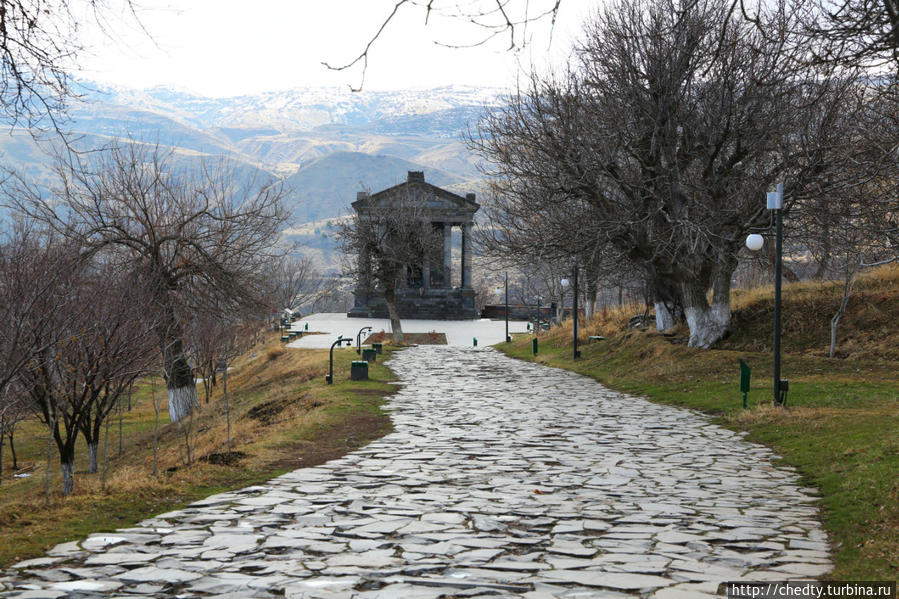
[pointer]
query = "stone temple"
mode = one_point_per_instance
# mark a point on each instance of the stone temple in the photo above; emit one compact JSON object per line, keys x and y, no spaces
{"x":428,"y":291}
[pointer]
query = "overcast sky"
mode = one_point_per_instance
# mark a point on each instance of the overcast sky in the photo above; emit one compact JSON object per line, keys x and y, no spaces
{"x":233,"y":47}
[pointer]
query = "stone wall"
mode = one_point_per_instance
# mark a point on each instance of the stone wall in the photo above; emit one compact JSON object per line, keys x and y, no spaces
{"x":431,"y":304}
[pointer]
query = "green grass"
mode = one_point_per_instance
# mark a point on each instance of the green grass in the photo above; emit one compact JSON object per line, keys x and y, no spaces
{"x":311,"y":422}
{"x":840,"y":428}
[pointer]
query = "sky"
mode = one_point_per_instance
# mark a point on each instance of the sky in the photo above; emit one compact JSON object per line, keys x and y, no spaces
{"x":234,"y":47}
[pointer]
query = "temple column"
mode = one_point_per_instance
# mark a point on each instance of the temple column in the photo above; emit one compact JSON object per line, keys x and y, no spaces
{"x":448,"y":255}
{"x":466,"y":255}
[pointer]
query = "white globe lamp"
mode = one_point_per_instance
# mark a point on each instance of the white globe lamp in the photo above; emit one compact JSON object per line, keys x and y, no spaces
{"x":754,"y":242}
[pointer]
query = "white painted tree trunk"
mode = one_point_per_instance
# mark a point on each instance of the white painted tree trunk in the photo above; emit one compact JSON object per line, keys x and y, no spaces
{"x":92,"y":456}
{"x":707,"y":324}
{"x":68,"y":477}
{"x":182,"y":402}
{"x":396,"y":325}
{"x":664,"y":318}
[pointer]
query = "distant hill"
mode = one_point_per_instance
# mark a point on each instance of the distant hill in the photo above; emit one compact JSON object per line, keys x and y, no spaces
{"x":326,"y":143}
{"x":326,"y":187}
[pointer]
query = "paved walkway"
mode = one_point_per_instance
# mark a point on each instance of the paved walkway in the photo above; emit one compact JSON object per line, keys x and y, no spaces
{"x":503,"y":478}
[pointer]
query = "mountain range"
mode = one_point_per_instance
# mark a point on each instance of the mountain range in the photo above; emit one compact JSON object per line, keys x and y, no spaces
{"x":324,"y":144}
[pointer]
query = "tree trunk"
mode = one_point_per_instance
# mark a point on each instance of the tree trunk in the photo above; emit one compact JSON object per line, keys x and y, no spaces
{"x":179,"y":376}
{"x":848,"y":284}
{"x":68,"y":476}
{"x":395,"y":324}
{"x":12,"y":445}
{"x":707,"y":323}
{"x":664,"y":318}
{"x":92,"y":449}
{"x":155,"y":428}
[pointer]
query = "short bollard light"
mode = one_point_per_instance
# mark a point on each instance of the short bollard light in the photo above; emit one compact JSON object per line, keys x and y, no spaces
{"x":475,"y":342}
{"x":307,"y":326}
{"x":369,"y":355}
{"x":378,"y":347}
{"x":529,"y":327}
{"x":534,"y":345}
{"x":745,"y":372}
{"x":359,"y":370}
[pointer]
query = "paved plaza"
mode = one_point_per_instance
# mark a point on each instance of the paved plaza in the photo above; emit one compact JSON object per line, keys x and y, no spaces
{"x":459,"y":333}
{"x":503,"y":478}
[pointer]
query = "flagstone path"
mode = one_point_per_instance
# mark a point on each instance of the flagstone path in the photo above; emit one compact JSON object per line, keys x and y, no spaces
{"x":503,"y":478}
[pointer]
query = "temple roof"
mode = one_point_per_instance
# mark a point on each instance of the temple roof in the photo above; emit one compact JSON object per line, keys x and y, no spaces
{"x":444,"y":204}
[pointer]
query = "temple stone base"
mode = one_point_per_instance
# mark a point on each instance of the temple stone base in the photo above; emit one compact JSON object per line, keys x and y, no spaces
{"x":421,"y":304}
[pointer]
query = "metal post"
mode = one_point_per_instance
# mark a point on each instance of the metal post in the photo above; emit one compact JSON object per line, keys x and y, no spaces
{"x":359,"y":339}
{"x":576,"y":353}
{"x":537,"y":327}
{"x":778,"y":269}
{"x":330,"y":377}
{"x":506,"y":280}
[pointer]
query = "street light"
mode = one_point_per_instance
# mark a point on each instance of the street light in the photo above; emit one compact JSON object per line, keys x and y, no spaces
{"x":498,"y":290}
{"x":537,"y":324}
{"x":330,"y":376}
{"x":754,"y":242}
{"x":575,"y":352}
{"x":359,"y":339}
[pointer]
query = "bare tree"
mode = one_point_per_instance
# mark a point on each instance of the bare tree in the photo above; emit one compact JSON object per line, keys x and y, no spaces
{"x":39,"y":41}
{"x":673,"y":122}
{"x":196,"y":238}
{"x":111,"y":344}
{"x":382,"y":244}
{"x":295,"y":282}
{"x":488,"y":19}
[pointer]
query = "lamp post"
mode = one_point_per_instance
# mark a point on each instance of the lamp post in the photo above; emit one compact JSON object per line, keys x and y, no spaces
{"x":575,"y":352}
{"x":537,"y":322}
{"x":359,"y":339}
{"x":506,"y":285}
{"x":330,"y":375}
{"x":754,"y":242}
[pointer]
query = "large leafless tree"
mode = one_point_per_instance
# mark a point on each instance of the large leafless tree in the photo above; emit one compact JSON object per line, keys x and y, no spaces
{"x":196,"y":238}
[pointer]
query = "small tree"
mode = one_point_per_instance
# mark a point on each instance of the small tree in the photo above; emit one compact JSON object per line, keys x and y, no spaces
{"x":294,"y":282}
{"x":388,"y":241}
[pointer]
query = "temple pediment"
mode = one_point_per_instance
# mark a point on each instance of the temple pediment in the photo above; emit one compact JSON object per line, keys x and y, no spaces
{"x":440,"y":203}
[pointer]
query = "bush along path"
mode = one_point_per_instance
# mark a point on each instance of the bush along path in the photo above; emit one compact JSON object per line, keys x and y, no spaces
{"x":502,"y":477}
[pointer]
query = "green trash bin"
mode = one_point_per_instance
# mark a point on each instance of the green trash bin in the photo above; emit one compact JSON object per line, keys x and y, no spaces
{"x":378,"y":347}
{"x":369,"y":355}
{"x":359,"y":370}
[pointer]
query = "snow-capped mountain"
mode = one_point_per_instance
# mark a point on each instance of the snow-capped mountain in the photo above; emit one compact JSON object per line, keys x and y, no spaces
{"x":299,"y":109}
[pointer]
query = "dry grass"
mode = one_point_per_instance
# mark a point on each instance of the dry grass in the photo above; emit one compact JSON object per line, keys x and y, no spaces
{"x":283,"y":416}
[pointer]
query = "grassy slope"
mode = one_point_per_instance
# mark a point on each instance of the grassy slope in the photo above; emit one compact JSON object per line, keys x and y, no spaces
{"x":283,"y":416}
{"x":841,"y":426}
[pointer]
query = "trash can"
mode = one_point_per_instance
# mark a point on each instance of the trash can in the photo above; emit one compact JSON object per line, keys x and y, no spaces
{"x":369,"y":355}
{"x":359,"y":370}
{"x":378,"y":347}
